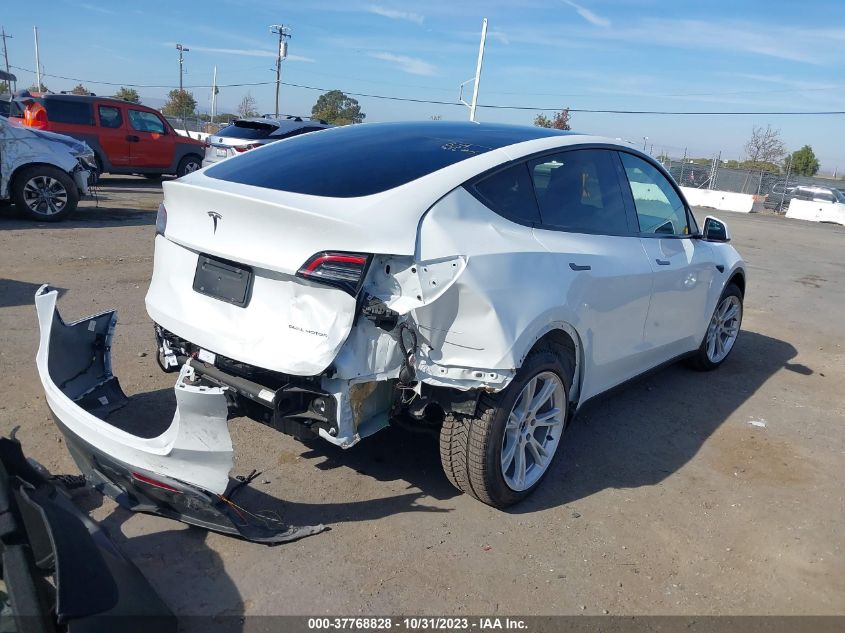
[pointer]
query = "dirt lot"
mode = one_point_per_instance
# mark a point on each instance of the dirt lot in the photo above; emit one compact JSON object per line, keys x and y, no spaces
{"x":684,"y":493}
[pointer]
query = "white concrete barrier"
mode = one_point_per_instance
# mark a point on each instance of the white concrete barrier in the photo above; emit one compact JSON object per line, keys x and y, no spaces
{"x":816,"y":211}
{"x":721,"y":200}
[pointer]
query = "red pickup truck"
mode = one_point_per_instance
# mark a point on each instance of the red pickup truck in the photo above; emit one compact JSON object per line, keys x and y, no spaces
{"x":127,"y":138}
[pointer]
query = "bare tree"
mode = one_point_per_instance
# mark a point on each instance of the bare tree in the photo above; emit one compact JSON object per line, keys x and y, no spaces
{"x":247,"y":106}
{"x":765,"y":146}
{"x":559,"y":121}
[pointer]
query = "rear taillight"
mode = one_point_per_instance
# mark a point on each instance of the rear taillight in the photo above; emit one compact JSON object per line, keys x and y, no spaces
{"x":161,"y":219}
{"x":342,"y":270}
{"x":243,"y":148}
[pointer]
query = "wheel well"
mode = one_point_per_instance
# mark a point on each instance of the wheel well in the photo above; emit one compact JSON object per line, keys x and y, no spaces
{"x":738,"y":279}
{"x":562,"y":343}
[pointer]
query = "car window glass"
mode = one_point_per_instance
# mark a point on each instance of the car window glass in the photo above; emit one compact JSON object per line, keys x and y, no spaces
{"x":110,"y":117}
{"x":825,"y":197}
{"x":659,"y":207}
{"x":145,"y":122}
{"x":509,"y":193}
{"x":66,"y":111}
{"x":579,"y":191}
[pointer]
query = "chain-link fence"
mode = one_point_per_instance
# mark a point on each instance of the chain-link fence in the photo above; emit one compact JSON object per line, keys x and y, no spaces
{"x":772,"y":188}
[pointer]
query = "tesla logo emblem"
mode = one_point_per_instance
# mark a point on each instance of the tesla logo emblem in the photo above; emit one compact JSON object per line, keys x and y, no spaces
{"x":215,"y":216}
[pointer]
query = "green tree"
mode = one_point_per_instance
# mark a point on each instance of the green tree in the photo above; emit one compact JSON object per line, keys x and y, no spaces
{"x":335,"y":107}
{"x":5,"y":88}
{"x":559,"y":121}
{"x":128,"y":94}
{"x":79,"y":89}
{"x":35,"y":88}
{"x":179,"y":103}
{"x":804,"y":162}
{"x":247,"y":106}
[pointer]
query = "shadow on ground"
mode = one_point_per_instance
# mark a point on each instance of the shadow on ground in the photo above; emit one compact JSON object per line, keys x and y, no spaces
{"x":89,"y":217}
{"x":19,"y":293}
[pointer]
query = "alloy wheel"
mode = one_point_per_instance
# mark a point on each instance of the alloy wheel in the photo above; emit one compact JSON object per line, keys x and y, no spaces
{"x":724,"y":328}
{"x":533,"y":431}
{"x":45,"y":195}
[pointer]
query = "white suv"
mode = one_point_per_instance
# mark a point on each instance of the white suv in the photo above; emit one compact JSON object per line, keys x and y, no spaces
{"x":483,"y":281}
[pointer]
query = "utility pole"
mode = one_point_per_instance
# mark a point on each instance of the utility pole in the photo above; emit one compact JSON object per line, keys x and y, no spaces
{"x":6,"y":56}
{"x":181,"y":50}
{"x":478,"y":70}
{"x":284,"y":35}
{"x":37,"y":60}
{"x":213,"y":95}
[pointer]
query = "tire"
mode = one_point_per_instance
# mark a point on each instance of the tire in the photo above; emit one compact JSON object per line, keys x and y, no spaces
{"x":152,"y":176}
{"x":472,"y":447}
{"x":44,"y":193}
{"x":704,"y":359}
{"x":188,"y":164}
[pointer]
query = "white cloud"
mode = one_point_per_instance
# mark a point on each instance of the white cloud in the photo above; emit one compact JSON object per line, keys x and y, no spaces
{"x":499,"y":36}
{"x":410,"y":65}
{"x":395,"y":14}
{"x":246,"y":52}
{"x":588,"y":15}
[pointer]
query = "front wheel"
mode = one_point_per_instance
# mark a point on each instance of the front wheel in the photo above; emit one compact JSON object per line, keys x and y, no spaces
{"x":722,"y":331}
{"x":45,"y":193}
{"x":188,"y":165}
{"x":500,"y":455}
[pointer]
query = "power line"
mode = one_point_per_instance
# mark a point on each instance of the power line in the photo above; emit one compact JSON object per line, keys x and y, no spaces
{"x":458,"y":103}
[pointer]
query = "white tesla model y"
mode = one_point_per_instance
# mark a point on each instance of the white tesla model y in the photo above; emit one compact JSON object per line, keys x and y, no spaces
{"x":483,"y":281}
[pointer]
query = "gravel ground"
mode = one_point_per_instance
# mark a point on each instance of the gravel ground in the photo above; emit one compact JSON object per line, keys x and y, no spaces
{"x":684,"y":493}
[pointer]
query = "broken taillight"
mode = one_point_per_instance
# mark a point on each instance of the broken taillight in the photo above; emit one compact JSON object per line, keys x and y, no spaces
{"x":155,"y":483}
{"x":342,"y":270}
{"x":243,"y":148}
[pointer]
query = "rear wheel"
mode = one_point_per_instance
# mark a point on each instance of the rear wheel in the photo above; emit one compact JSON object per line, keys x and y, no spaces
{"x":500,"y":455}
{"x":44,"y":193}
{"x":722,"y":332}
{"x":188,"y":165}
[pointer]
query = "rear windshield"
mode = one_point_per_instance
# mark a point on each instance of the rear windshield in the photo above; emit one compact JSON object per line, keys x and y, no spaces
{"x":361,"y":160}
{"x":251,"y":130}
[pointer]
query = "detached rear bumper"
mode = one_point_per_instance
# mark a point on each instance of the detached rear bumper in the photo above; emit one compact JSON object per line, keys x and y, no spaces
{"x":183,"y":473}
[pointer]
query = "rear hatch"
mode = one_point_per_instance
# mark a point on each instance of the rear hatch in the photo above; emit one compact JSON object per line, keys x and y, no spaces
{"x":239,"y":137}
{"x":225,"y":274}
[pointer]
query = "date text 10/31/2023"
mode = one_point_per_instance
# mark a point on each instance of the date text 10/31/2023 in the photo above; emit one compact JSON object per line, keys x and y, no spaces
{"x":417,"y":624}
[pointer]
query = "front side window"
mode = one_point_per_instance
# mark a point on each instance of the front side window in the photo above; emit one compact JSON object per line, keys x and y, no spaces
{"x":579,"y":191}
{"x":659,"y":207}
{"x":510,"y":194}
{"x":110,"y":117}
{"x":145,"y":122}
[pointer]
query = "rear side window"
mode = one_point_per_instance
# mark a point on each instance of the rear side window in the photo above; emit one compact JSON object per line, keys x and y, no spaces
{"x":67,"y":111}
{"x":250,"y":130}
{"x":510,"y":194}
{"x":659,"y":208}
{"x":110,"y":117}
{"x":145,"y":122}
{"x":579,"y":191}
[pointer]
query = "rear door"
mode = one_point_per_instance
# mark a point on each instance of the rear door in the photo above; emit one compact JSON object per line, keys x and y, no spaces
{"x":684,"y":267}
{"x":600,"y":260}
{"x":113,"y":133}
{"x":152,"y":142}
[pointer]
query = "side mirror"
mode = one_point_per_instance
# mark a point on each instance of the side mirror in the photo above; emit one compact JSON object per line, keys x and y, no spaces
{"x":715,"y":230}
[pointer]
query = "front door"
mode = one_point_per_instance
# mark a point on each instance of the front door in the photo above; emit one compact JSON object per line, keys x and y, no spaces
{"x":151,"y":142}
{"x":684,"y":268}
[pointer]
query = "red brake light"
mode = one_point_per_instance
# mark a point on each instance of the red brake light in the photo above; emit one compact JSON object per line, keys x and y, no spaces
{"x":342,"y":270}
{"x":153,"y":482}
{"x":243,"y":148}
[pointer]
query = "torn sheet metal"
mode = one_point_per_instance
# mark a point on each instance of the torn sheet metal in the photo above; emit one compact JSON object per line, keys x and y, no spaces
{"x":20,"y":146}
{"x":183,"y":473}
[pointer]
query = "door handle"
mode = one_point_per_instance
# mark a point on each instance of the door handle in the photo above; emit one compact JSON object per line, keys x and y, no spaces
{"x":132,"y":138}
{"x":663,"y":262}
{"x":577,"y":267}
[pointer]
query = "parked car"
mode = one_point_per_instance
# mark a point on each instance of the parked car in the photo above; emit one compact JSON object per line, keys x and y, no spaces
{"x":127,"y":138}
{"x":814,"y":193}
{"x":243,"y":135}
{"x":43,"y":173}
{"x":481,"y":281}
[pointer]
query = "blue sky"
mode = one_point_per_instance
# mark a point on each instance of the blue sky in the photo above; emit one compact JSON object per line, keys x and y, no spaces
{"x":622,"y":54}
